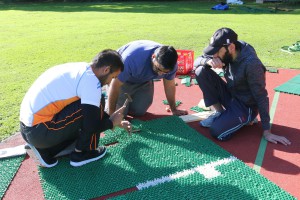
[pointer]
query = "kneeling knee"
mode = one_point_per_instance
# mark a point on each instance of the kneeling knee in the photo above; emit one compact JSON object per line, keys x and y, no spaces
{"x":217,"y":134}
{"x":214,"y":133}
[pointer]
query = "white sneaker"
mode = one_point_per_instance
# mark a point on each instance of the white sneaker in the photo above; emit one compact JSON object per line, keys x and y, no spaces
{"x":208,"y":121}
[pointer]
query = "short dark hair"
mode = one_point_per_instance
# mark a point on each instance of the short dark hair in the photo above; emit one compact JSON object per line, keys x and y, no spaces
{"x":166,"y":56}
{"x":108,"y":57}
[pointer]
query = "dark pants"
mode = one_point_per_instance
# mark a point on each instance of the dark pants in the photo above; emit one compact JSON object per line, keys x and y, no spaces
{"x":61,"y":131}
{"x":142,"y":97}
{"x":236,"y":113}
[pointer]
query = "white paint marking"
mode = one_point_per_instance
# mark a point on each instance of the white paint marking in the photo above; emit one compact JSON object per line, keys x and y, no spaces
{"x":13,"y":151}
{"x":207,"y":170}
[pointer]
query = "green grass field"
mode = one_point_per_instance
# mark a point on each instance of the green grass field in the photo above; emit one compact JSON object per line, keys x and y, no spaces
{"x":34,"y":37}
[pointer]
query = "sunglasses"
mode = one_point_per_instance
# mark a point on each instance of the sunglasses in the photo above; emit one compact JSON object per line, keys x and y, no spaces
{"x":157,"y":68}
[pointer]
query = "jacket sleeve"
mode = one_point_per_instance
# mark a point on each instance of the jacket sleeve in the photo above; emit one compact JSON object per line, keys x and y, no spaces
{"x":95,"y":119}
{"x":257,"y":83}
{"x":201,"y":61}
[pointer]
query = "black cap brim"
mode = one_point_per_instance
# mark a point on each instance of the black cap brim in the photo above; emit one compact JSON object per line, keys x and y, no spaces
{"x":210,"y":50}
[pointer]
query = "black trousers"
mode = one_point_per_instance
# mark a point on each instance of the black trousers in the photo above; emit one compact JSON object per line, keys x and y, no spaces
{"x":236,"y":114}
{"x":61,"y":131}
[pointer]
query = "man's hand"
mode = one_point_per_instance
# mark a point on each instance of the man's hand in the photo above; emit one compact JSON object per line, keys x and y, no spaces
{"x":179,"y":112}
{"x":275,"y":138}
{"x":170,"y":90}
{"x":127,"y":126}
{"x":117,"y":116}
{"x":215,"y":63}
{"x":117,"y":119}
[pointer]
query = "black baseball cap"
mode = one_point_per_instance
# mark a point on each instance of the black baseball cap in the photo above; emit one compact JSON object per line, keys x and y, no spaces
{"x":222,"y":37}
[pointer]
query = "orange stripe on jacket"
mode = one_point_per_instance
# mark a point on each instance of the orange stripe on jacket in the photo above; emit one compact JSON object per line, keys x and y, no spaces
{"x":101,"y":111}
{"x":67,"y":117}
{"x":95,"y":141}
{"x":47,"y":113}
{"x":70,"y":122}
{"x":92,"y":138}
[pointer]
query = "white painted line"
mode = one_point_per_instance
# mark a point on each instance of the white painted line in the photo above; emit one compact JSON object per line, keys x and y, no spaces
{"x":196,"y":116}
{"x":13,"y":151}
{"x":207,"y":170}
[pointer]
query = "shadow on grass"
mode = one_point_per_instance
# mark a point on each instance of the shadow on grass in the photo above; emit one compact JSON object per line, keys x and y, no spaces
{"x":181,"y":7}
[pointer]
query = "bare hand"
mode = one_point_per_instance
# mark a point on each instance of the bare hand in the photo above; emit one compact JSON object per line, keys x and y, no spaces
{"x":117,"y":116}
{"x":179,"y":112}
{"x":275,"y":138}
{"x":127,"y":126}
{"x":215,"y":63}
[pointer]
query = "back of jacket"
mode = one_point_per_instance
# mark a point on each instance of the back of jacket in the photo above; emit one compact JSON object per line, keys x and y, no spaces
{"x":245,"y":76}
{"x":246,"y":81}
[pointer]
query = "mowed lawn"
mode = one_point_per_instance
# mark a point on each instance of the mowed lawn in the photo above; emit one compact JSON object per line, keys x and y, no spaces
{"x":36,"y":36}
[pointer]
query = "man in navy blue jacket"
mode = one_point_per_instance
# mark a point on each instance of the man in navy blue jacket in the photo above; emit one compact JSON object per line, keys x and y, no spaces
{"x":243,"y":96}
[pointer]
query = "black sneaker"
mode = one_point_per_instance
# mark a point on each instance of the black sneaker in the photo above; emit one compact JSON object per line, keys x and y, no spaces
{"x":85,"y":157}
{"x":42,"y":158}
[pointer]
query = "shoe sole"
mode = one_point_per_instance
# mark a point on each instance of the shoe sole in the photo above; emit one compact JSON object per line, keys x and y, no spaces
{"x":78,"y":164}
{"x":35,"y":155}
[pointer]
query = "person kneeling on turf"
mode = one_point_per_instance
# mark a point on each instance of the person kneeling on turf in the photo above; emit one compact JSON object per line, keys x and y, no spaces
{"x":65,"y":105}
{"x":238,"y":100}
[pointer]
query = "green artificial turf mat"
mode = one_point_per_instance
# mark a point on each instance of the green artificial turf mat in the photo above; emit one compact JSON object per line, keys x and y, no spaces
{"x":186,"y":81}
{"x":293,"y":48}
{"x":291,"y":87}
{"x":183,"y":76}
{"x":113,"y":136}
{"x":177,"y":103}
{"x":197,"y":109}
{"x":195,"y":82}
{"x":237,"y":181}
{"x":163,"y":146}
{"x":8,"y":169}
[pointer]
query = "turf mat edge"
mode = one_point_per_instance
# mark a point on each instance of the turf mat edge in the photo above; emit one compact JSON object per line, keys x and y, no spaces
{"x":8,"y":169}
